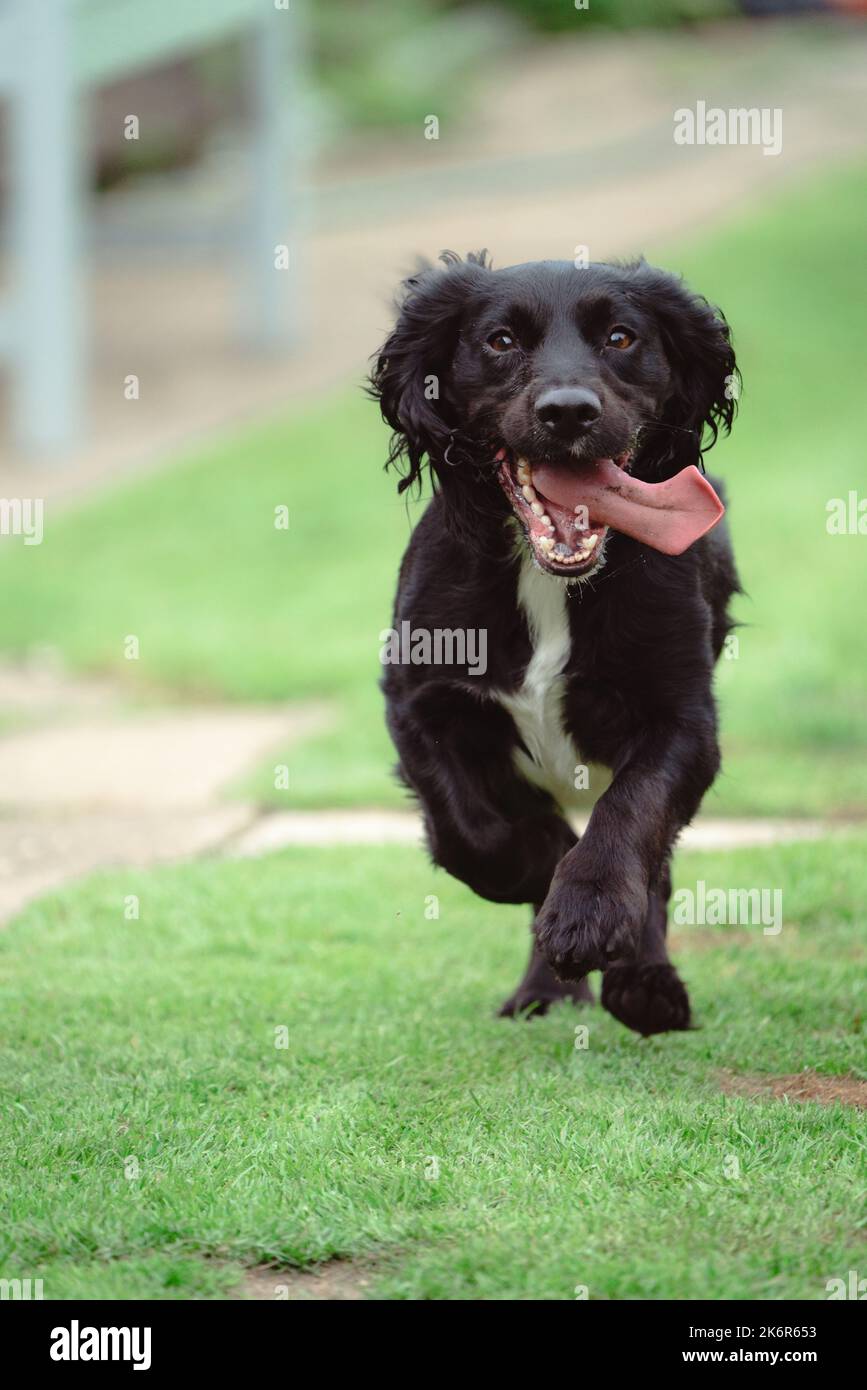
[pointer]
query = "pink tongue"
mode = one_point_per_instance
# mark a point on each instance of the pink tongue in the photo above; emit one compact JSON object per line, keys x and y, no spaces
{"x":667,"y":516}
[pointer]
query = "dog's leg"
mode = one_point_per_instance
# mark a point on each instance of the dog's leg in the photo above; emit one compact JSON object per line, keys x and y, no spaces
{"x":600,"y":896}
{"x":540,"y":988}
{"x":484,"y":823}
{"x":646,"y":993}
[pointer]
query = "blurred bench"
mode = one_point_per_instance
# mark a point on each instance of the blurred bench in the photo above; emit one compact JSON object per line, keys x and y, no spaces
{"x":51,"y":53}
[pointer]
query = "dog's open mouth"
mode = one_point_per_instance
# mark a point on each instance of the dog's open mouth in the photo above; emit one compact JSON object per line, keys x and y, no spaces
{"x":566,"y":509}
{"x":565,"y":537}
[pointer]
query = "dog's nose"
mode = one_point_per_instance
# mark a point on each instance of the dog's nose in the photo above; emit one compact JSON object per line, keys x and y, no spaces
{"x":568,"y":411}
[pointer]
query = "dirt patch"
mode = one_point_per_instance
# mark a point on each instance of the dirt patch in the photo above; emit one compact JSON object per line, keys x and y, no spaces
{"x":338,"y":1281}
{"x":803,"y":1086}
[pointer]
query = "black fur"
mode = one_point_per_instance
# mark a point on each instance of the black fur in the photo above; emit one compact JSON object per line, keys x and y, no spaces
{"x":646,"y":628}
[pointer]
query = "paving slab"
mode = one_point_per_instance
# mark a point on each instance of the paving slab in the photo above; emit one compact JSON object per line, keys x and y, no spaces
{"x":147,"y":760}
{"x":42,"y":852}
{"x":93,"y":784}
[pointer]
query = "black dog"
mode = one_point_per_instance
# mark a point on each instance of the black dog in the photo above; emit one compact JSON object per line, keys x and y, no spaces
{"x":529,"y":389}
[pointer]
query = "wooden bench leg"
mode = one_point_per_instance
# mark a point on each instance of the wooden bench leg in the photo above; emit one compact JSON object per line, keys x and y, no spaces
{"x":271,"y":308}
{"x":47,"y":329}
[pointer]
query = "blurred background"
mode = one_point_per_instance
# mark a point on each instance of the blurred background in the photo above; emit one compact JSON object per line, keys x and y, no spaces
{"x":206,"y":210}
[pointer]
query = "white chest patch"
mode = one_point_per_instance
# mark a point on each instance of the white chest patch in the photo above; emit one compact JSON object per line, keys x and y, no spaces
{"x":536,"y":706}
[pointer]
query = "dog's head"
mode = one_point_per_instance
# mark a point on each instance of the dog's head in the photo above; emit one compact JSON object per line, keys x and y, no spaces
{"x":511,"y":382}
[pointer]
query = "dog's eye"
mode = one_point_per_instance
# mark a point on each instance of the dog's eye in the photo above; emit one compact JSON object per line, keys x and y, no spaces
{"x":620,"y":337}
{"x":502,"y":341}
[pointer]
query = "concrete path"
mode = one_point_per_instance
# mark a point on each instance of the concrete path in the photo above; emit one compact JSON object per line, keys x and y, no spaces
{"x":180,"y":759}
{"x":40,"y":853}
{"x":378,"y":827}
{"x":89,"y":782}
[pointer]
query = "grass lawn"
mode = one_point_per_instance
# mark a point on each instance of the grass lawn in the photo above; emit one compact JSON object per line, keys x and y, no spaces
{"x":155,"y":1139}
{"x":225,"y":605}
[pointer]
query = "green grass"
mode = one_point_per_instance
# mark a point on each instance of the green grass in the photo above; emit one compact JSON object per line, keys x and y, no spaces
{"x":381,"y":64}
{"x":226,"y":606}
{"x":154,"y":1040}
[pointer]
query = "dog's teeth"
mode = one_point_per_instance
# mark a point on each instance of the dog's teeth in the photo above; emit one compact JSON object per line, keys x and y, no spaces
{"x":537,"y":509}
{"x":545,"y":543}
{"x":529,"y":493}
{"x":591,"y":542}
{"x":546,"y":521}
{"x":523,"y":472}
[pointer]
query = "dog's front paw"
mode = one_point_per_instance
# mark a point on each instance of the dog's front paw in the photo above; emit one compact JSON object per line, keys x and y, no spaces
{"x":647,"y":998}
{"x":585,"y":925}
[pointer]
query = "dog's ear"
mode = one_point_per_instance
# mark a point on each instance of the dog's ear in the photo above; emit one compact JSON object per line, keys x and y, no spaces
{"x":705,"y":379}
{"x":410,"y":378}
